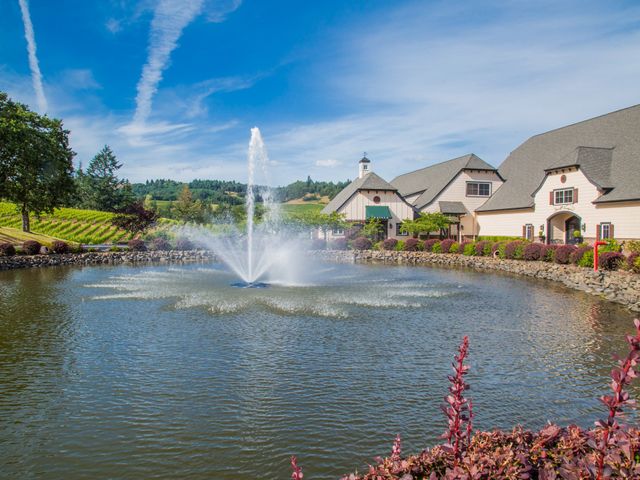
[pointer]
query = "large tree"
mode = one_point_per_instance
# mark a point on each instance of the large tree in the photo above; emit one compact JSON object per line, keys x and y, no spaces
{"x":426,"y":223}
{"x":36,"y":161}
{"x":100,"y":188}
{"x":188,"y":210}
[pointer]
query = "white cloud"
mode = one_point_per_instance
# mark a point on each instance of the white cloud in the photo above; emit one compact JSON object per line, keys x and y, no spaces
{"x":36,"y":76}
{"x":328,"y":162}
{"x":113,"y":25}
{"x":79,"y":79}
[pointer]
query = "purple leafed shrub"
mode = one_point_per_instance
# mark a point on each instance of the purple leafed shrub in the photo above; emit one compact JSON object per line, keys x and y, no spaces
{"x":184,"y":244}
{"x":548,"y":252}
{"x":318,"y":244}
{"x":60,"y":247}
{"x":514,"y":250}
{"x":31,"y":247}
{"x":160,"y":243}
{"x":297,"y":471}
{"x":361,"y":243}
{"x":611,"y":260}
{"x":7,"y":250}
{"x":137,"y":245}
{"x":445,"y":245}
{"x":533,"y":251}
{"x":389,"y":244}
{"x":633,"y":261}
{"x":339,"y":244}
{"x":412,"y":245}
{"x":577,"y":255}
{"x":428,"y":244}
{"x":483,"y":247}
{"x":563,"y":254}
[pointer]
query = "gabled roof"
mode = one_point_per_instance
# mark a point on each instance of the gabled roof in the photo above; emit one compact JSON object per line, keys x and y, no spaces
{"x":370,"y":181}
{"x":430,"y":181}
{"x":525,"y":168}
{"x":595,"y":163}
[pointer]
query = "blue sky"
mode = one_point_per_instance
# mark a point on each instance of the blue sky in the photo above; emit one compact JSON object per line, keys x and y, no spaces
{"x":175,"y":86}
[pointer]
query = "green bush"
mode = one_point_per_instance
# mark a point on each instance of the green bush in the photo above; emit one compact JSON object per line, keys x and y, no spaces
{"x":495,"y":239}
{"x":455,"y":246}
{"x":437,"y":247}
{"x":469,"y":249}
{"x":633,"y":246}
{"x":586,"y":260}
{"x":612,"y":246}
{"x":115,"y":249}
{"x":399,"y":246}
{"x":636,"y":265}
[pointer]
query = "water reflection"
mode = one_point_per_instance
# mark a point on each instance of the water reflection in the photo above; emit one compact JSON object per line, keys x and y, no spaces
{"x":169,"y":372}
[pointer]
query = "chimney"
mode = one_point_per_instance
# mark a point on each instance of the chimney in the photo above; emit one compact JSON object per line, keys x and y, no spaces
{"x":364,"y":166}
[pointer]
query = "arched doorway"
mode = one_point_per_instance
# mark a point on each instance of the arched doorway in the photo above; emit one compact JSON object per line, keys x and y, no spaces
{"x":561,"y":227}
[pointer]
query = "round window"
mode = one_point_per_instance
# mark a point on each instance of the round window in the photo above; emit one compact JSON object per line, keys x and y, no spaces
{"x":563,"y":178}
{"x":376,"y":199}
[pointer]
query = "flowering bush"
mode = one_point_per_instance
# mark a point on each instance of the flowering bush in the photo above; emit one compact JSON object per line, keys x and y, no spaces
{"x":7,"y":250}
{"x":576,"y":256}
{"x":445,"y":246}
{"x":412,"y":245}
{"x":389,"y":244}
{"x":469,"y":249}
{"x":361,"y":243}
{"x":563,"y":254}
{"x":611,"y":260}
{"x":483,"y":248}
{"x":160,"y":243}
{"x":137,"y":245}
{"x":429,"y":244}
{"x":59,"y":246}
{"x":532,"y":251}
{"x":514,"y":250}
{"x":184,"y":244}
{"x":31,"y":247}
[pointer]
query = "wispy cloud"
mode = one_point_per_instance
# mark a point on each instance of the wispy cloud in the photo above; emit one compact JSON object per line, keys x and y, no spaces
{"x":328,"y":162}
{"x":36,"y":76}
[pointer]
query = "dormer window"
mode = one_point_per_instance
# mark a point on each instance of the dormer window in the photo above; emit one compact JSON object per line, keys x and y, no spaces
{"x":478,"y":189}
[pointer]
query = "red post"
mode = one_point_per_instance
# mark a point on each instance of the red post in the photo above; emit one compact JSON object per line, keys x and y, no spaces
{"x":595,"y":254}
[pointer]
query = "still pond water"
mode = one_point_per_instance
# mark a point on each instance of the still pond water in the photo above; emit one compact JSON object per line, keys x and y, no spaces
{"x":168,"y":372}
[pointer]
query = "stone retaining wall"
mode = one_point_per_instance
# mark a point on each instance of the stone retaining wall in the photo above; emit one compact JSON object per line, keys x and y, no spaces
{"x":620,"y":287}
{"x":106,"y":258}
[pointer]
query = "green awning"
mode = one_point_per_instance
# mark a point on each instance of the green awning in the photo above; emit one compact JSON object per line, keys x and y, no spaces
{"x":375,"y":211}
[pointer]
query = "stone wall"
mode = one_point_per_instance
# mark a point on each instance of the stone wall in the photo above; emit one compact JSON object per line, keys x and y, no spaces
{"x":620,"y":287}
{"x":106,"y":258}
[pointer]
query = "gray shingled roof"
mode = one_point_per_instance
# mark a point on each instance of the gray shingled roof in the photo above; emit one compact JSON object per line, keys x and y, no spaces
{"x":524,"y":169}
{"x":370,"y":181}
{"x":595,"y":162}
{"x":430,"y":181}
{"x":452,"y":208}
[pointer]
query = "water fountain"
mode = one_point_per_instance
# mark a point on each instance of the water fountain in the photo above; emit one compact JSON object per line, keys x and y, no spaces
{"x":265,"y":252}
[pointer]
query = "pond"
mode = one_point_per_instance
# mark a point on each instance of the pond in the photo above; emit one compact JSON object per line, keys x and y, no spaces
{"x":169,"y":372}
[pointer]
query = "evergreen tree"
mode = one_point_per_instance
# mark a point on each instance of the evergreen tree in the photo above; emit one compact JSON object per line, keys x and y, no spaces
{"x":187,"y":209}
{"x":100,"y":188}
{"x":36,"y":162}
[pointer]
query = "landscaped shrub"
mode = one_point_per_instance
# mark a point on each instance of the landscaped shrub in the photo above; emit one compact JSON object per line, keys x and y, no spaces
{"x":586,"y":260}
{"x":318,"y":244}
{"x":469,"y":249}
{"x":579,"y":253}
{"x":548,"y":253}
{"x":399,"y":246}
{"x":497,"y":238}
{"x":339,"y":244}
{"x":633,"y":246}
{"x":428,"y":244}
{"x":483,"y":248}
{"x":361,"y":243}
{"x":514,"y":250}
{"x":611,"y":260}
{"x":635,"y":265}
{"x":160,"y":243}
{"x":532,"y":251}
{"x":462,"y":247}
{"x":7,"y":250}
{"x":115,"y":248}
{"x":184,"y":244}
{"x":445,"y":245}
{"x":31,"y":247}
{"x":352,"y":233}
{"x":454,"y":248}
{"x":60,"y":247}
{"x":563,"y":254}
{"x":389,"y":244}
{"x":412,"y":245}
{"x":612,"y":245}
{"x":437,"y":247}
{"x":137,"y":245}
{"x":495,"y":248}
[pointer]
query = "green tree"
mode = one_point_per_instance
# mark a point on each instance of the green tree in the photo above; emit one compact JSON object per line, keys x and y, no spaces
{"x":149,"y":203}
{"x":426,"y":223}
{"x":187,"y":209}
{"x":99,"y":188}
{"x":373,"y":229}
{"x":36,"y":162}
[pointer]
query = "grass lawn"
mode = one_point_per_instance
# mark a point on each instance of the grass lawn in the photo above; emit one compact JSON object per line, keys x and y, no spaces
{"x":306,"y":207}
{"x":17,"y":236}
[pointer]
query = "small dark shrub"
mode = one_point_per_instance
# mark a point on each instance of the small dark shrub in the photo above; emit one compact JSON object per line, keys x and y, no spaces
{"x":59,"y":247}
{"x":483,"y":248}
{"x":532,"y":251}
{"x":514,"y":250}
{"x":462,"y":247}
{"x":7,"y":250}
{"x":361,"y":243}
{"x":352,"y":233}
{"x":338,"y":244}
{"x":389,"y":244}
{"x":137,"y":245}
{"x":611,"y":260}
{"x":428,"y":244}
{"x":412,"y":245}
{"x":579,"y":252}
{"x":630,"y":265}
{"x":548,"y":253}
{"x":31,"y":247}
{"x":563,"y":254}
{"x":469,"y":249}
{"x":184,"y":244}
{"x":445,"y":245}
{"x":160,"y":243}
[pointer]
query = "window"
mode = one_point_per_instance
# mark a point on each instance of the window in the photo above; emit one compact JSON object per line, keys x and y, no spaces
{"x":478,"y":189}
{"x":398,"y":232}
{"x":376,"y":199}
{"x":605,"y":231}
{"x":528,"y":231}
{"x":336,"y":232}
{"x":562,"y":197}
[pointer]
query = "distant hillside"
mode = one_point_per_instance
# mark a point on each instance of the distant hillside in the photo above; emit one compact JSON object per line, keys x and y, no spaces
{"x":230,"y":192}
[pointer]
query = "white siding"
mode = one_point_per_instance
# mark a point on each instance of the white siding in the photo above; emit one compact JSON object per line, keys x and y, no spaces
{"x":504,"y":223}
{"x":355,"y":208}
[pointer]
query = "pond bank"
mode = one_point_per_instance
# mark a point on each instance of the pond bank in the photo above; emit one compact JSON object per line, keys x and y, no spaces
{"x":105,"y":258}
{"x":619,"y":287}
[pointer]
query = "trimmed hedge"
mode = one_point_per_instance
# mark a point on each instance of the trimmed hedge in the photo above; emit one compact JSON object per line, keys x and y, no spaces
{"x":413,"y":245}
{"x":429,"y":244}
{"x":361,"y":243}
{"x":445,"y":245}
{"x":611,"y":260}
{"x":389,"y":244}
{"x":7,"y":250}
{"x":532,"y":252}
{"x":31,"y":247}
{"x":60,"y":247}
{"x":563,"y":254}
{"x":514,"y":250}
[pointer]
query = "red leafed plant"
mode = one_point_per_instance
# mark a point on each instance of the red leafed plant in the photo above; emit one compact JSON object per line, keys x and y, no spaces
{"x":396,"y":450}
{"x":457,"y":408}
{"x":297,"y":471}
